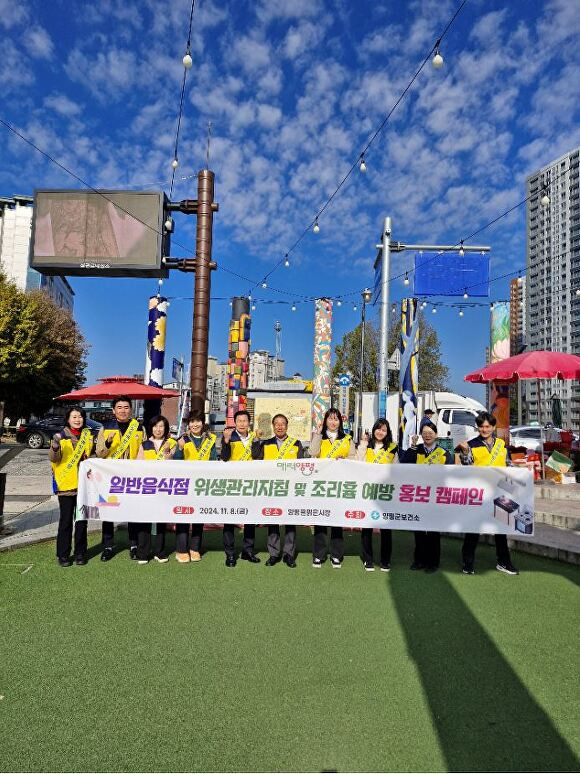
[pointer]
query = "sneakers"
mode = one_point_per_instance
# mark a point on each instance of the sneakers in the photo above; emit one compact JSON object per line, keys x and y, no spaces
{"x":161,"y":558}
{"x":369,"y":566}
{"x":468,"y":568}
{"x":133,"y":553}
{"x":107,"y":555}
{"x":335,"y":562}
{"x":195,"y":556}
{"x":508,"y":568}
{"x":385,"y":568}
{"x":182,"y":558}
{"x":65,"y":561}
{"x":143,"y":561}
{"x":317,"y":562}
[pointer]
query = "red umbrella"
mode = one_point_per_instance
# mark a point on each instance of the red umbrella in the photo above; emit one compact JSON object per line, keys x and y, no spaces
{"x":113,"y":386}
{"x":529,"y":365}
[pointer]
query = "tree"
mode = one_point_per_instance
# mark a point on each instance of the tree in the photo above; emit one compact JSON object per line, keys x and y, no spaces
{"x":432,"y":372}
{"x":42,"y":351}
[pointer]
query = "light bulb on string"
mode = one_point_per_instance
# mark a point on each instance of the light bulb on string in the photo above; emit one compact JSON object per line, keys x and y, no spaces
{"x":545,"y":200}
{"x":578,"y":292}
{"x":169,"y":224}
{"x":466,"y":294}
{"x":338,"y":302}
{"x":175,"y":163}
{"x":316,"y":227}
{"x":286,"y":261}
{"x":187,"y":60}
{"x":354,"y":308}
{"x":461,"y":250}
{"x":362,"y":166}
{"x":406,"y":280}
{"x":437,"y":60}
{"x":394,"y":310}
{"x":293,"y":307}
{"x":434,"y":310}
{"x":253,"y":307}
{"x":264,"y":285}
{"x":461,"y":312}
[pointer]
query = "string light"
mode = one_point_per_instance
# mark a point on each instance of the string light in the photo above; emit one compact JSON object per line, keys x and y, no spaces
{"x":406,"y":280}
{"x":264,"y":285}
{"x":354,"y":308}
{"x":169,"y":225}
{"x":286,"y":261}
{"x":466,"y":294}
{"x":394,"y":310}
{"x":175,"y":163}
{"x":437,"y":60}
{"x":545,"y":200}
{"x":187,"y":60}
{"x":461,"y":312}
{"x":316,"y":227}
{"x":434,"y":310}
{"x":293,"y":307}
{"x":461,"y":250}
{"x":578,"y":292}
{"x":362,"y":165}
{"x":338,"y":302}
{"x":253,"y":307}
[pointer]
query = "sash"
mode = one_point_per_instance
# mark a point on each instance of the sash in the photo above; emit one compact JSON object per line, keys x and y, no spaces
{"x":247,"y":455}
{"x":288,"y":443}
{"x":437,"y":457}
{"x":126,"y":439}
{"x":496,"y":450}
{"x":384,"y":453}
{"x":334,"y":449}
{"x":161,"y":453}
{"x":82,"y":446}
{"x":205,"y":448}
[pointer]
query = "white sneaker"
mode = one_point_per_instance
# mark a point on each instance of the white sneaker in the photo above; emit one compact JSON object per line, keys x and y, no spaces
{"x":142,"y":561}
{"x":317,"y":563}
{"x":161,"y":559}
{"x":336,"y":563}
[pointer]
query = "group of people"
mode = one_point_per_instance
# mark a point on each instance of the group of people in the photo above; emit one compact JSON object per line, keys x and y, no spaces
{"x":125,"y":438}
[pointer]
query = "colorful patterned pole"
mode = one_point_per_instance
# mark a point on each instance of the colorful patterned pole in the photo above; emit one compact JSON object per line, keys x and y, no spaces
{"x":499,"y":392}
{"x":408,"y":372}
{"x":155,"y":355}
{"x":322,"y":361}
{"x":238,"y":358}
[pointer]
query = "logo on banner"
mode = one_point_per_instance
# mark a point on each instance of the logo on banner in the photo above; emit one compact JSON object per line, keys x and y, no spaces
{"x":375,"y":515}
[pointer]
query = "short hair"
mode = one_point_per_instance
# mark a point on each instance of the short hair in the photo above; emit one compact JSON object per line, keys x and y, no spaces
{"x":197,"y":415}
{"x":431,"y":425}
{"x":81,"y":411}
{"x":153,"y":421}
{"x":122,"y":399}
{"x":280,"y":416}
{"x":485,"y":416}
{"x":388,"y":439}
{"x":241,"y":413}
{"x":429,"y":411}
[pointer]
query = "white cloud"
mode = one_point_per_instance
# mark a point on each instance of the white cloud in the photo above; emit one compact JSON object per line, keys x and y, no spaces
{"x":12,"y":13}
{"x":62,"y":105}
{"x":38,"y":43}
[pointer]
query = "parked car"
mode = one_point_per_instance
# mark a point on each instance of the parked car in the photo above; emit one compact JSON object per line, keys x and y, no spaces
{"x":529,"y":436}
{"x":37,"y":434}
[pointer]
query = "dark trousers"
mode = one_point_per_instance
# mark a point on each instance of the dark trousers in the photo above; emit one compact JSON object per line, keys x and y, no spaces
{"x":67,"y":505}
{"x":289,"y":541}
{"x":182,"y":542}
{"x":108,"y":532}
{"x":470,"y":544}
{"x":144,"y":540}
{"x":366,"y":538}
{"x":230,"y":539}
{"x":321,"y":543}
{"x":427,"y":548}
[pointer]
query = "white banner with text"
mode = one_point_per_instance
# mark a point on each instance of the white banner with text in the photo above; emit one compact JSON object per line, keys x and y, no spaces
{"x":343,"y":493}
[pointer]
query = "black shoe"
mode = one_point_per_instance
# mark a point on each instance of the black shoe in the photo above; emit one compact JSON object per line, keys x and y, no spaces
{"x":507,"y":567}
{"x":81,"y":560}
{"x":231,"y":561}
{"x":289,"y":562}
{"x":468,"y":568}
{"x":65,"y":561}
{"x":272,"y":560}
{"x":107,"y":554}
{"x":431,"y":568}
{"x":133,"y":553}
{"x":385,"y":568}
{"x":369,"y":566}
{"x":417,"y":566}
{"x":248,"y":557}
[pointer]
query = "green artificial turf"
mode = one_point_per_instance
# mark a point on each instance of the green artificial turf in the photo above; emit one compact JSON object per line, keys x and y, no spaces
{"x":204,"y":668}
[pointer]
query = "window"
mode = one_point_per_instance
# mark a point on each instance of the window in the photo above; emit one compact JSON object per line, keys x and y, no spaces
{"x":463,"y":418}
{"x":445,"y":416}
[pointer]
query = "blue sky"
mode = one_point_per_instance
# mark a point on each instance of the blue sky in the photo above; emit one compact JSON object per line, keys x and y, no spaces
{"x":294,"y":90}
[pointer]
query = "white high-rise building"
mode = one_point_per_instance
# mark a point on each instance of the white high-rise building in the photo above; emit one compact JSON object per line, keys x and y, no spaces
{"x":264,"y":367}
{"x":553,"y":276}
{"x":15,"y":231}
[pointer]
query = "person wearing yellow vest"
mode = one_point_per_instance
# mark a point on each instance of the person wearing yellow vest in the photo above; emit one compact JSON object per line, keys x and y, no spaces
{"x":331,"y":443}
{"x":280,"y":447}
{"x":120,"y":439}
{"x":379,"y":449}
{"x":237,"y":443}
{"x":67,"y":450}
{"x":196,"y":445}
{"x":159,"y":446}
{"x":427,"y":544}
{"x":486,"y":449}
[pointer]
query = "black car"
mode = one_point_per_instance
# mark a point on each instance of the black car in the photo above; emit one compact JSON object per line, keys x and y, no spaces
{"x":38,"y":434}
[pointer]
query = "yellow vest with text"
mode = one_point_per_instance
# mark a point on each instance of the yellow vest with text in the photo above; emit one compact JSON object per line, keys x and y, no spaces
{"x":237,"y":450}
{"x":438,"y":459}
{"x":386,"y":459}
{"x":482,"y":455}
{"x":190,"y":452}
{"x":68,"y":480}
{"x":342,"y":452}
{"x":150,"y":452}
{"x":113,"y":432}
{"x":271,"y":452}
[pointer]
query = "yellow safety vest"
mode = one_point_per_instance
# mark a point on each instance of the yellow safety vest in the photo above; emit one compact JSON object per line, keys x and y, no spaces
{"x":337,"y":450}
{"x":134,"y":443}
{"x":66,"y":472}
{"x":191,"y":452}
{"x":241,"y":452}
{"x":382,"y":457}
{"x":288,"y":450}
{"x":437,"y":457}
{"x":497,"y":457}
{"x":151,"y":453}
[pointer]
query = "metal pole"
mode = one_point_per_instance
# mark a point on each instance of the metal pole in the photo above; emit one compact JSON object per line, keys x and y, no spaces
{"x":384,"y":339}
{"x":362,"y":367}
{"x":201,"y":301}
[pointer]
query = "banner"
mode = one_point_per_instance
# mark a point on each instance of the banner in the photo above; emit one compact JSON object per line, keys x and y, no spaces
{"x":322,"y":361}
{"x":408,"y":373}
{"x":451,"y":274}
{"x":447,"y":498}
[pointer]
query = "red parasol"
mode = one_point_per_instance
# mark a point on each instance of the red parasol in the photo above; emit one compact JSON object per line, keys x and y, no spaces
{"x":529,"y":365}
{"x":113,"y":386}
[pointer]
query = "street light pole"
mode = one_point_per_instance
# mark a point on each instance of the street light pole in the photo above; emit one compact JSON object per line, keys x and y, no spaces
{"x":366,"y":297}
